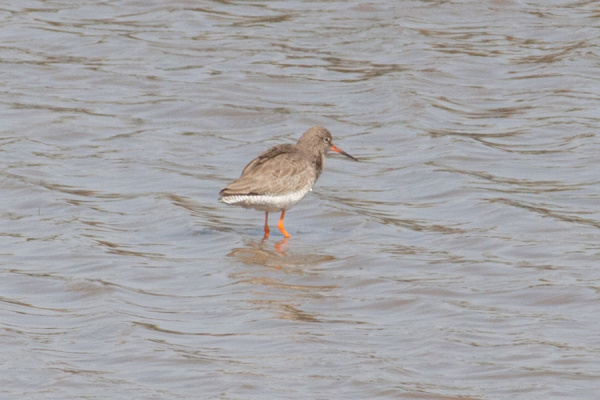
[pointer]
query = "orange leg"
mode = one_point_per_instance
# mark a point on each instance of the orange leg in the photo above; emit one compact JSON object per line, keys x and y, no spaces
{"x":280,"y":226}
{"x":266,"y":226}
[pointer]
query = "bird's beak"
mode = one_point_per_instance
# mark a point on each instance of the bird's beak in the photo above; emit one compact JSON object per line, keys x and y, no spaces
{"x":342,"y":152}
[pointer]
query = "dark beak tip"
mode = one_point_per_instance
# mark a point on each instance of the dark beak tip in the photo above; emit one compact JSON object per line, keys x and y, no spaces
{"x":351,"y":157}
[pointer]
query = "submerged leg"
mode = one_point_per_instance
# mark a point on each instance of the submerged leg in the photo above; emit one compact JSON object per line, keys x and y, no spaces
{"x":266,"y":225}
{"x":280,"y":226}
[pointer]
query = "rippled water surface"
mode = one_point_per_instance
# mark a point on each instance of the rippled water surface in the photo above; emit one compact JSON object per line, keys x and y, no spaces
{"x":459,"y":259}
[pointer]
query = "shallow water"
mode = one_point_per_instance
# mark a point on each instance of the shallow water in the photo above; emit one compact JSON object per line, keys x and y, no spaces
{"x":458,"y":259}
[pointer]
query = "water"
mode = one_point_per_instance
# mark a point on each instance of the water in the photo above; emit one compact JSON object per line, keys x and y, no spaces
{"x":458,"y":259}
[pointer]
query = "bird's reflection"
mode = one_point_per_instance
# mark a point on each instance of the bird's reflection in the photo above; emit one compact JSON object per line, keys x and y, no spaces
{"x":278,"y":255}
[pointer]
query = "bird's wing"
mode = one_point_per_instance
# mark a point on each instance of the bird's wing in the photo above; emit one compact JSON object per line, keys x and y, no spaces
{"x":278,"y":170}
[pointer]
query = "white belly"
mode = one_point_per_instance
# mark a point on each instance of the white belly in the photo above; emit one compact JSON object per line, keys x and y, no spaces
{"x":267,"y":202}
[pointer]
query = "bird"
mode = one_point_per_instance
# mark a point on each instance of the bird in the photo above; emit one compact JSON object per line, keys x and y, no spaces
{"x":281,"y":176}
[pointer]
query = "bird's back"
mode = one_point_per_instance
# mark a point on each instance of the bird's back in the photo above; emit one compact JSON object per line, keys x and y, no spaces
{"x":279,"y":171}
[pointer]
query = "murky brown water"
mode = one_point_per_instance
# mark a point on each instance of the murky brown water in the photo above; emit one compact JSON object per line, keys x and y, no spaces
{"x":459,"y":259}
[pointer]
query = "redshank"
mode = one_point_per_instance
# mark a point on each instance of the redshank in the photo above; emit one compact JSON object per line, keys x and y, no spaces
{"x":281,"y":176}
